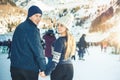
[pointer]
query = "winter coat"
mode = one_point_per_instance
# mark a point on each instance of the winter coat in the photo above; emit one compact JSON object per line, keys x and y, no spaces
{"x":49,"y":39}
{"x":82,"y":43}
{"x":26,"y":50}
{"x":58,"y":55}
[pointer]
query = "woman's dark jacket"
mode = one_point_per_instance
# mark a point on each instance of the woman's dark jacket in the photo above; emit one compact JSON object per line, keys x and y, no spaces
{"x":58,"y":55}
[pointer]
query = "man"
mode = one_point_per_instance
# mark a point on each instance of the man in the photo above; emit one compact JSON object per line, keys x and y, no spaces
{"x":27,"y":58}
{"x":82,"y":45}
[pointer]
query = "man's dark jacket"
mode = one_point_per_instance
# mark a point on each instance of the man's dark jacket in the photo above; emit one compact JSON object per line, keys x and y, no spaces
{"x":26,"y":50}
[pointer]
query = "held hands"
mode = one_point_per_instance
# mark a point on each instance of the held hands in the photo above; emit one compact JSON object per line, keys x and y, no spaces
{"x":42,"y":74}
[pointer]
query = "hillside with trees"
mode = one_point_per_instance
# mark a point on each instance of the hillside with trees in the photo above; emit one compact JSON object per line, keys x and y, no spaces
{"x":10,"y":15}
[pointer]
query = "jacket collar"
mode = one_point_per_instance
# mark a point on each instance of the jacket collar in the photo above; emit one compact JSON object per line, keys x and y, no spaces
{"x":31,"y":22}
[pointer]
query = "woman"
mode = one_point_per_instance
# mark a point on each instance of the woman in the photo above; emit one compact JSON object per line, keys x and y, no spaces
{"x":61,"y":67}
{"x":49,"y":38}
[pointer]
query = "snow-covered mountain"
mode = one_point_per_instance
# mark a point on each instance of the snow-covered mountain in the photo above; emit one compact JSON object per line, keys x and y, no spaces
{"x":84,"y":11}
{"x":21,"y":2}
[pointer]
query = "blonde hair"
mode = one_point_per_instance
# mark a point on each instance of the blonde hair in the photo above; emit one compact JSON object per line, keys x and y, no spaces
{"x":70,"y":46}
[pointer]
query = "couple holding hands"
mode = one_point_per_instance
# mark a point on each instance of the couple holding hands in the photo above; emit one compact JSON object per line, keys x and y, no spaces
{"x":27,"y":57}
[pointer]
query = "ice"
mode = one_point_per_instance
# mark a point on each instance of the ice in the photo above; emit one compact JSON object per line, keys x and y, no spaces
{"x":97,"y":66}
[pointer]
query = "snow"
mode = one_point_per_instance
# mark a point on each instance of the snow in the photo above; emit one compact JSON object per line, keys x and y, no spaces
{"x":5,"y":37}
{"x":97,"y":66}
{"x":41,"y":5}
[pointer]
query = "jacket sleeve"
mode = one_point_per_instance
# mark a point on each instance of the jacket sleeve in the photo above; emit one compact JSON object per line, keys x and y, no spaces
{"x":56,"y":56}
{"x":34,"y":42}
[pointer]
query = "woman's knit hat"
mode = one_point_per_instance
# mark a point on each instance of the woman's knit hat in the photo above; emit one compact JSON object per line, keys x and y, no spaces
{"x":33,"y":10}
{"x":67,"y":21}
